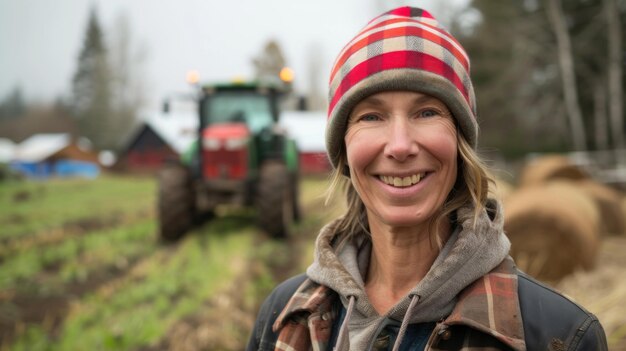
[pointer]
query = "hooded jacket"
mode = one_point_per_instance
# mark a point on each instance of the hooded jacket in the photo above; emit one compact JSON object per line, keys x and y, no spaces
{"x":473,"y":291}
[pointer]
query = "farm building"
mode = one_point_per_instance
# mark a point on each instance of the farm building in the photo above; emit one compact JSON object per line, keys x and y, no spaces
{"x":44,"y":155}
{"x":307,"y":128}
{"x":159,"y":138}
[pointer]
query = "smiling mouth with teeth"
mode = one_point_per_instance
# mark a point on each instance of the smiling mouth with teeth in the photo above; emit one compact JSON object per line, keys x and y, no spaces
{"x":401,"y":182}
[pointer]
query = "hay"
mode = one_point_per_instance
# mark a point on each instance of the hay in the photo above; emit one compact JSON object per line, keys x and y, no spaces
{"x":609,"y":203}
{"x":548,"y":168}
{"x":603,"y":291}
{"x":553,"y":229}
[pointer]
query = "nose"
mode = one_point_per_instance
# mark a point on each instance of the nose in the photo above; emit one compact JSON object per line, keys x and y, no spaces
{"x":401,"y":143}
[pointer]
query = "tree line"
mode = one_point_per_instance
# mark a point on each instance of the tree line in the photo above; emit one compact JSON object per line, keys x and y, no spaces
{"x":548,"y":73}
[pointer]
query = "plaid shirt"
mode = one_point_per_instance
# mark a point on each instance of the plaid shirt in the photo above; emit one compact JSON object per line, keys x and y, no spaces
{"x":489,"y":307}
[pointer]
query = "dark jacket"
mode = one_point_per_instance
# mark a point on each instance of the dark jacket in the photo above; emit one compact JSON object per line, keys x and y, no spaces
{"x":550,"y":322}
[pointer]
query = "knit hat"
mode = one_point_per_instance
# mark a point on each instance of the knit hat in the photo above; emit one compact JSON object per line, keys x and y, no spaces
{"x":403,"y":49}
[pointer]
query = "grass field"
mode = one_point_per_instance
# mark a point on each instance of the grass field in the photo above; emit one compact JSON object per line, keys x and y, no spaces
{"x":82,"y":269}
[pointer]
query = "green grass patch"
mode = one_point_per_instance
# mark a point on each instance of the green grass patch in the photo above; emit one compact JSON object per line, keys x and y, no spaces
{"x":27,"y":207}
{"x":140,"y":311}
{"x":77,"y":257}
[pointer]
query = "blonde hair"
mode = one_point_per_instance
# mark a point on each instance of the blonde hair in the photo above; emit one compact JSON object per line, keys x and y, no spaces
{"x":471,"y":188}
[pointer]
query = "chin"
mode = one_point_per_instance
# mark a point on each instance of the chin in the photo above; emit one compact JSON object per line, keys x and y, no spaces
{"x":405,"y":220}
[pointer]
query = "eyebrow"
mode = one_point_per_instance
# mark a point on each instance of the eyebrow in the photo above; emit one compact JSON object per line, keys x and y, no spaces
{"x":373,"y":100}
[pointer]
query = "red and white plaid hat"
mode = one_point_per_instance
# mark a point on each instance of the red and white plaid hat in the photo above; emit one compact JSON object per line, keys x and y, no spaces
{"x":403,"y":49}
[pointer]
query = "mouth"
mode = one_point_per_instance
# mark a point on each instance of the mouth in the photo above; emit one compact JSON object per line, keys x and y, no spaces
{"x":402,"y":182}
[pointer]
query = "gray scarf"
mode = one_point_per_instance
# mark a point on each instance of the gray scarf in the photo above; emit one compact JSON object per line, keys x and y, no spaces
{"x":469,"y":253}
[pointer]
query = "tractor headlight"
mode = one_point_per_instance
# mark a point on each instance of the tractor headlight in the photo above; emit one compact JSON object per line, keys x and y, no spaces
{"x":235,"y":143}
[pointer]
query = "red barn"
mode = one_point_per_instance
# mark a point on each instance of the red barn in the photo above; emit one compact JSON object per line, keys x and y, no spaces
{"x":307,"y":128}
{"x":159,"y":138}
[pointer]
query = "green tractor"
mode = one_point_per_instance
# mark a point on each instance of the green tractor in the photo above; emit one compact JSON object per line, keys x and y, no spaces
{"x":241,"y":156}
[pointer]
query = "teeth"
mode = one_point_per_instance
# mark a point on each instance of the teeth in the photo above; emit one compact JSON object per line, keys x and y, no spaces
{"x":397,"y":181}
{"x":401,"y":182}
{"x":406,"y":181}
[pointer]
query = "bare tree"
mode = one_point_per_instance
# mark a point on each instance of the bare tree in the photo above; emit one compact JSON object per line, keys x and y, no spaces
{"x":127,"y":58}
{"x":600,"y":115}
{"x":316,"y":98}
{"x":269,"y":62}
{"x":568,"y":77}
{"x":614,"y":73}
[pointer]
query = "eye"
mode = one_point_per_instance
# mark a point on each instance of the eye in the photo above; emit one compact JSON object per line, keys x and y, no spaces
{"x":429,"y":113}
{"x":369,"y":118}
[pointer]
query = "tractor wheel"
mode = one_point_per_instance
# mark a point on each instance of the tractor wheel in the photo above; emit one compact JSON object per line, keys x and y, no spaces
{"x":275,"y":199}
{"x":176,"y":203}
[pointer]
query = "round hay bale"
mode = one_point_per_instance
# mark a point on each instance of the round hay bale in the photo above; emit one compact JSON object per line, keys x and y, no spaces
{"x":551,"y":167}
{"x":609,"y":204}
{"x":553,"y":230}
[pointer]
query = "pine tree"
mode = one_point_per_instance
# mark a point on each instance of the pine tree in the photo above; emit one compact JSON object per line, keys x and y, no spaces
{"x":91,"y":88}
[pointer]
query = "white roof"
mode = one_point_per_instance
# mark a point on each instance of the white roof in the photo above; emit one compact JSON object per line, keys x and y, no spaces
{"x":307,"y":128}
{"x":38,"y":147}
{"x":178,"y":129}
{"x":7,"y":150}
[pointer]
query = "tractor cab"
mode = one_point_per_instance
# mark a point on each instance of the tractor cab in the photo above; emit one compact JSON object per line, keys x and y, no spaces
{"x":249,"y":104}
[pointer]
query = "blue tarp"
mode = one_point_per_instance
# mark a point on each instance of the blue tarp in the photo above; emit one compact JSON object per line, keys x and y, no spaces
{"x":72,"y":168}
{"x":59,"y":168}
{"x":37,"y":170}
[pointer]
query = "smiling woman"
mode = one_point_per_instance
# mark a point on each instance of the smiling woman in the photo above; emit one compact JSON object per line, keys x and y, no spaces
{"x":420,"y":259}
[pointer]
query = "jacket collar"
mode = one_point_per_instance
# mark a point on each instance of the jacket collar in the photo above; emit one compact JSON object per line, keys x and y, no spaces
{"x":310,"y":298}
{"x":490,"y":305}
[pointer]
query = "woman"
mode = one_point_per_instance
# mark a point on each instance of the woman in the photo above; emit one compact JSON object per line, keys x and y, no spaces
{"x":420,"y":260}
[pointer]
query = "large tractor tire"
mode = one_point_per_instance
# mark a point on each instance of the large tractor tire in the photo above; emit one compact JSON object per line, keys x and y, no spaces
{"x":176,"y":203}
{"x":274,"y":199}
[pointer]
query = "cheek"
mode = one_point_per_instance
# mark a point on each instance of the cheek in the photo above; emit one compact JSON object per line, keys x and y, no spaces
{"x":360,"y":153}
{"x":444,"y":147}
{"x":358,"y":150}
{"x":447,"y":150}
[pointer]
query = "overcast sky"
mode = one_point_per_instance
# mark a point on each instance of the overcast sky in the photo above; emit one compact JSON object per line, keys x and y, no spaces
{"x":40,"y":39}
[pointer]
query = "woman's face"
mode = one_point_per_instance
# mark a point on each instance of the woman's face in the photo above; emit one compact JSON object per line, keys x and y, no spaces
{"x":402,"y":152}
